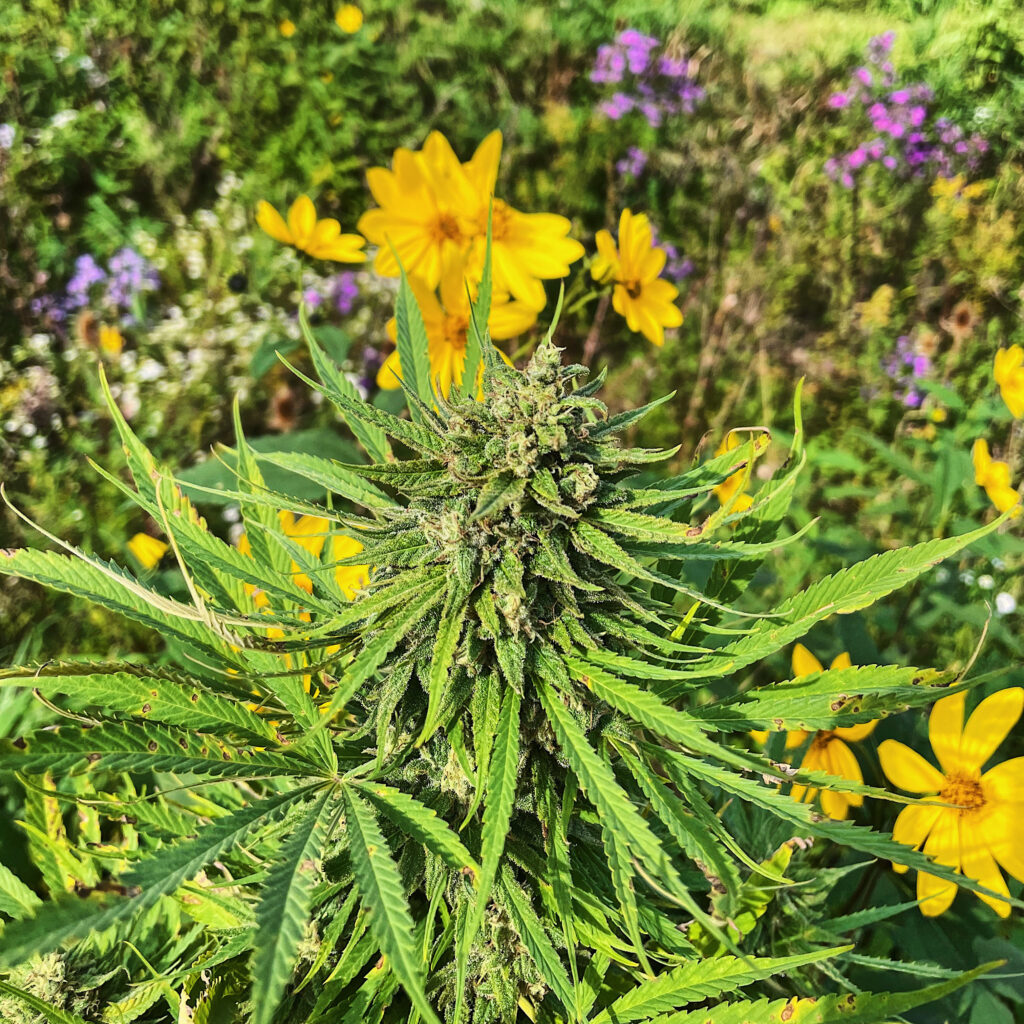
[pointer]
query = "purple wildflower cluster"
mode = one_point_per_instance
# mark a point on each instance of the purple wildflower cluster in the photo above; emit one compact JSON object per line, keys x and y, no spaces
{"x":127,"y":276}
{"x":341,"y":293}
{"x":632,"y":164}
{"x":652,"y":82}
{"x":909,"y":139}
{"x":906,"y":366}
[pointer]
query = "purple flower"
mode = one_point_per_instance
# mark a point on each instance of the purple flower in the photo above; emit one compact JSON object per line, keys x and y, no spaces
{"x":858,"y":158}
{"x":344,"y":292}
{"x":633,"y":163}
{"x":863,"y":75}
{"x":312,"y":298}
{"x":838,"y":100}
{"x":87,"y":273}
{"x":879,"y":46}
{"x":900,"y":96}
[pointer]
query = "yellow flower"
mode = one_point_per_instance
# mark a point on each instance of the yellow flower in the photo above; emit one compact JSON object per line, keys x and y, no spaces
{"x":433,"y":208}
{"x":286,"y":28}
{"x":321,"y":239}
{"x":994,"y":476}
{"x":111,"y":340}
{"x":447,"y":325}
{"x":148,"y":550}
{"x":526,"y":248}
{"x":310,"y":532}
{"x":985,"y":830}
{"x":1009,"y":375}
{"x":731,"y":484}
{"x":349,"y":18}
{"x":645,"y":300}
{"x":828,"y":751}
{"x":426,"y":227}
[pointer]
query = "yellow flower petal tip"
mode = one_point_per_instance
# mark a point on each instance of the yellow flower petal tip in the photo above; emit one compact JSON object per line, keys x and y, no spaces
{"x":349,"y":18}
{"x":644,"y":299}
{"x":286,"y":28}
{"x":147,"y":550}
{"x":321,"y":239}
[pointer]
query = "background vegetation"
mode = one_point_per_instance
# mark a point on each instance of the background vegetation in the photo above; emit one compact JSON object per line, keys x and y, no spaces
{"x":157,"y":127}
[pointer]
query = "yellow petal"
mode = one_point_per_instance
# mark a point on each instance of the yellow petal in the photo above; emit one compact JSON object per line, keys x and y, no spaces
{"x":759,"y":735}
{"x":945,"y":725}
{"x":796,"y":738}
{"x":989,"y":725}
{"x":837,"y":805}
{"x":943,"y":846}
{"x":390,"y":373}
{"x":982,"y":461}
{"x":272,"y":223}
{"x":841,"y":661}
{"x":978,"y":863}
{"x":1002,"y":830}
{"x":148,"y":550}
{"x":301,"y":221}
{"x":913,"y":824}
{"x":907,"y":769}
{"x":804,"y":663}
{"x":855,"y":733}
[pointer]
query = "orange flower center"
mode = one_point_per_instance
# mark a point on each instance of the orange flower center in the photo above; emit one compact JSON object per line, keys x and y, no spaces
{"x":966,"y":793}
{"x":456,"y":331}
{"x":501,"y":219}
{"x":447,"y":226}
{"x":633,"y":288}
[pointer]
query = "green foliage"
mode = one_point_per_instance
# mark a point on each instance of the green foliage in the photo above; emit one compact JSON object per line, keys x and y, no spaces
{"x":504,"y":747}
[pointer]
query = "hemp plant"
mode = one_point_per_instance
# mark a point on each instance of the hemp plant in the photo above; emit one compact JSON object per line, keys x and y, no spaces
{"x":487,"y":789}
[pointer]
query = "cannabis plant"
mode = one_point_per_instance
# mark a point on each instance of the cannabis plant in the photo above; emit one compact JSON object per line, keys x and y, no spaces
{"x":488,"y":788}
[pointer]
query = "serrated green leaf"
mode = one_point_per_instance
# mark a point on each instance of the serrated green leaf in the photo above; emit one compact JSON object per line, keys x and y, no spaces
{"x":381,"y":888}
{"x":149,"y":697}
{"x":420,"y":822}
{"x":847,"y":1008}
{"x":71,"y":917}
{"x":413,"y":346}
{"x":336,"y":383}
{"x":332,"y":476}
{"x":704,"y":979}
{"x":531,"y":931}
{"x":127,"y":747}
{"x":283,"y":909}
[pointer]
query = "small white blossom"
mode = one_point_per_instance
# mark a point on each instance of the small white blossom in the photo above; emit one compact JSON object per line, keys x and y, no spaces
{"x":1005,"y":603}
{"x":986,"y":582}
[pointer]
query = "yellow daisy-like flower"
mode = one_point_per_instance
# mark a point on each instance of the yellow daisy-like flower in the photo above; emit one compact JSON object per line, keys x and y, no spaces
{"x":321,"y":239}
{"x":426,"y":226}
{"x":286,"y":28}
{"x":1009,"y":375}
{"x":646,"y":301}
{"x":148,"y":550}
{"x":447,"y":325}
{"x":731,"y":484}
{"x":828,"y":751}
{"x":994,"y":476}
{"x":984,"y":830}
{"x":349,"y":18}
{"x":433,"y":207}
